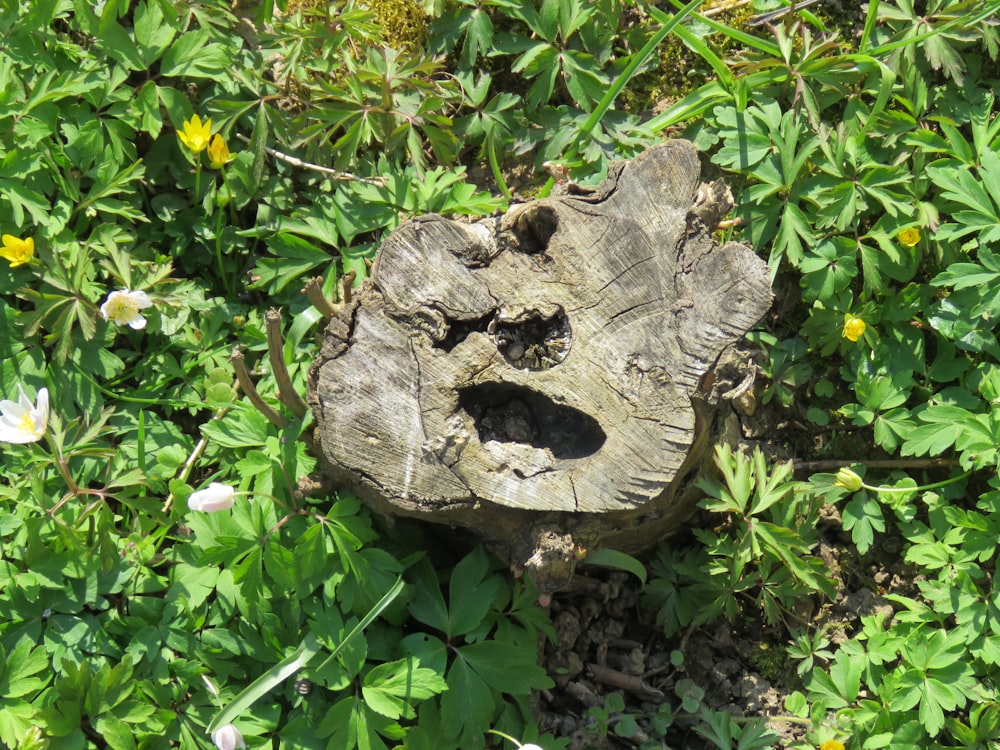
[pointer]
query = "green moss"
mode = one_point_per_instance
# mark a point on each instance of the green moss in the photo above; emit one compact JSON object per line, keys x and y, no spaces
{"x":403,"y":22}
{"x":680,"y":71}
{"x":771,"y":662}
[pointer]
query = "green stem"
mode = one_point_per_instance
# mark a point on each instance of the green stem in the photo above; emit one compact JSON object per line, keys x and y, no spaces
{"x":921,"y":488}
{"x":218,"y":253}
{"x":229,"y":196}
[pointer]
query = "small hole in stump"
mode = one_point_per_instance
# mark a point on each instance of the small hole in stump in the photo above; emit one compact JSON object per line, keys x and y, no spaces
{"x":536,"y":343}
{"x":533,"y":228}
{"x":514,"y":414}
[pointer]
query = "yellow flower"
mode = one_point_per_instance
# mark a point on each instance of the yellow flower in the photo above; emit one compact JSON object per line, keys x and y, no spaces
{"x":17,"y":251}
{"x":196,"y":134}
{"x":849,"y":480}
{"x":854,"y":328}
{"x":909,"y":237}
{"x":831,"y":745}
{"x":218,"y":152}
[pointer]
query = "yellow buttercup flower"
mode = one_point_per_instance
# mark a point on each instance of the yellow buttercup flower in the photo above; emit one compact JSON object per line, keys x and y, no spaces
{"x":196,"y":134}
{"x":16,"y":251}
{"x":909,"y":237}
{"x":831,"y":745}
{"x":854,"y":328}
{"x":218,"y":152}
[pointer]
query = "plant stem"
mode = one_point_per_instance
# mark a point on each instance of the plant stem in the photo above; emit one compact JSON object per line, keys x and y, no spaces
{"x":921,"y":488}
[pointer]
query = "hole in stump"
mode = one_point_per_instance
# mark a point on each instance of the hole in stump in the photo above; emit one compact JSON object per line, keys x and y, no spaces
{"x":533,"y":228}
{"x":458,"y":330}
{"x":536,"y":343}
{"x":514,"y":414}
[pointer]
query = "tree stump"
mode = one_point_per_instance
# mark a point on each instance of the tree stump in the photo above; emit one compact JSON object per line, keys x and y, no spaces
{"x":542,"y":378}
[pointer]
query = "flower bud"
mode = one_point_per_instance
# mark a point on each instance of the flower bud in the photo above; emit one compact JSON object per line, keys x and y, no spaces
{"x":213,"y":498}
{"x":854,"y":328}
{"x":228,"y":738}
{"x":848,"y":480}
{"x":908,"y":238}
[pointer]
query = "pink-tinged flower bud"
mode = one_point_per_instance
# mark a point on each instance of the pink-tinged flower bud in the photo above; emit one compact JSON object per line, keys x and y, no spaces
{"x":228,"y":738}
{"x":213,"y":498}
{"x":848,"y":480}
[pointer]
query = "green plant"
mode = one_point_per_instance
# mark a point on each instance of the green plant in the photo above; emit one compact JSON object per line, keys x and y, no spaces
{"x":763,"y":554}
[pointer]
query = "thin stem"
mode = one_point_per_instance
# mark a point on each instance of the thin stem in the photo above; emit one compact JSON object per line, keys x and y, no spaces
{"x":346,"y":284}
{"x":218,"y":253}
{"x":893,"y":463}
{"x":195,"y":455}
{"x":921,"y":488}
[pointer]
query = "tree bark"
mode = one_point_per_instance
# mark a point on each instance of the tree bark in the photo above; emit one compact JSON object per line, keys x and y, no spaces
{"x":543,"y":378}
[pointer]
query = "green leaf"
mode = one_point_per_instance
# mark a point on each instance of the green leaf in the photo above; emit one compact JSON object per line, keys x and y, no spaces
{"x":153,"y":31}
{"x":505,"y":667}
{"x":840,"y":686}
{"x":391,"y":689}
{"x":238,"y":429}
{"x":470,"y":593}
{"x":194,"y":56}
{"x":467,"y":705}
{"x":610,"y":558}
{"x":18,"y":669}
{"x":862,"y":516}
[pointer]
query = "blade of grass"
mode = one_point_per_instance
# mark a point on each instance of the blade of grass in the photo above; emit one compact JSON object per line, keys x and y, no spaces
{"x":284,"y":669}
{"x":752,"y":41}
{"x":634,"y":64}
{"x":870,"y":20}
{"x":691,"y":106}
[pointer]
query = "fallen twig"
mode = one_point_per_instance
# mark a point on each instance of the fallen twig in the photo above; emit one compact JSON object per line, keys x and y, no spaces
{"x":334,"y":173}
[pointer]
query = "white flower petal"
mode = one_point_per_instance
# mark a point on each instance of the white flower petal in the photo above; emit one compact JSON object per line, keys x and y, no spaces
{"x":13,"y":410}
{"x":22,"y":422}
{"x":228,"y":738}
{"x":215,"y":497}
{"x":141,"y":299}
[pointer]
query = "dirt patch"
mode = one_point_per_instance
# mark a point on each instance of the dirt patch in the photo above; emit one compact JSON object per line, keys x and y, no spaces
{"x":608,"y":643}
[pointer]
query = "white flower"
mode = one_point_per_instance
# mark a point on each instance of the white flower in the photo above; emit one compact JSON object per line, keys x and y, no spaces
{"x":122,"y":308}
{"x":530,"y":747}
{"x":228,"y":738}
{"x":23,"y":422}
{"x":213,"y":498}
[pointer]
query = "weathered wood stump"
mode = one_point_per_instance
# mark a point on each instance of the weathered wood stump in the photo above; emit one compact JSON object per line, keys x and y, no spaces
{"x":540,"y":378}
